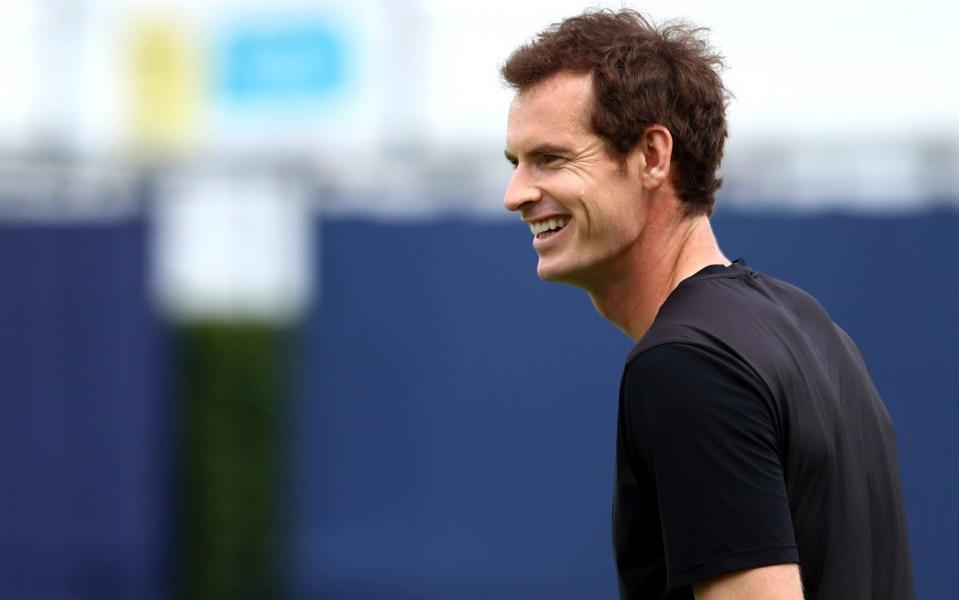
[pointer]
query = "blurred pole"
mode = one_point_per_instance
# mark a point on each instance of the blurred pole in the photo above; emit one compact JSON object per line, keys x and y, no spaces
{"x":231,"y":274}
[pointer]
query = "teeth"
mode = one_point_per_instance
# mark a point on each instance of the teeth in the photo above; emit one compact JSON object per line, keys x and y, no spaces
{"x":547,"y":225}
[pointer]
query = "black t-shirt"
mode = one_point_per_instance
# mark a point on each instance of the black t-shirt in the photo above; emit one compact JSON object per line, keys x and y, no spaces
{"x":750,"y":434}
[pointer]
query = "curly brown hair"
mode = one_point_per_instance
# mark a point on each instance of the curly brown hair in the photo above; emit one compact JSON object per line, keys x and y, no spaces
{"x":642,"y":74}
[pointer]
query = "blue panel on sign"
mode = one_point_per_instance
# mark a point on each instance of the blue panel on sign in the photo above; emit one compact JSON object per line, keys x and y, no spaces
{"x":295,"y":61}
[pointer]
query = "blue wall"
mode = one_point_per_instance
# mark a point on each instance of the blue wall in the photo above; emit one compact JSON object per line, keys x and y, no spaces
{"x":457,"y":416}
{"x":84,"y":451}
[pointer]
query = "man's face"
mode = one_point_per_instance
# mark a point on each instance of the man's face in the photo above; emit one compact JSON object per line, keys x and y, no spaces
{"x":586,"y":213}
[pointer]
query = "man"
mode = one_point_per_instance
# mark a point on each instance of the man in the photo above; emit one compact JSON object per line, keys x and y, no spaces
{"x":755,"y":458}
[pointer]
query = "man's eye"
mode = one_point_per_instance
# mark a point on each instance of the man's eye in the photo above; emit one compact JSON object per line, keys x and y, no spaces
{"x":551,"y":159}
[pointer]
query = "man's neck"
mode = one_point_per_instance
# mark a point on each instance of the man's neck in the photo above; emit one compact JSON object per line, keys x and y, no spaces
{"x":667,"y":254}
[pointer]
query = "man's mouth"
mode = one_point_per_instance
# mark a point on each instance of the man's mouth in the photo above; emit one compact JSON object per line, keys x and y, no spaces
{"x":548,"y":227}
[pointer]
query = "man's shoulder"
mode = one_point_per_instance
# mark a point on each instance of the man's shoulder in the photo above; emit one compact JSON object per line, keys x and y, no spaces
{"x":680,"y":369}
{"x":715,"y":310}
{"x":690,"y":387}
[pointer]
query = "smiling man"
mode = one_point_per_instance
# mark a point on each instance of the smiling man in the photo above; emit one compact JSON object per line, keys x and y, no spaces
{"x":755,"y":459}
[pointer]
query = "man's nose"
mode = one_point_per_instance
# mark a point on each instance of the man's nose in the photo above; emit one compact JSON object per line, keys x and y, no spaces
{"x":520,"y":190}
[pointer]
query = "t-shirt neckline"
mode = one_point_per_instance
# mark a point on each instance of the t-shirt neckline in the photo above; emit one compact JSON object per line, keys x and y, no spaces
{"x":737,"y":267}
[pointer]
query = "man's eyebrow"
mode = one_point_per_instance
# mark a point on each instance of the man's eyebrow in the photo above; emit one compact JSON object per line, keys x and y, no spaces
{"x":540,"y":150}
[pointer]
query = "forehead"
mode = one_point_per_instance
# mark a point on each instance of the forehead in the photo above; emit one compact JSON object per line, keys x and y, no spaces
{"x":555,"y":109}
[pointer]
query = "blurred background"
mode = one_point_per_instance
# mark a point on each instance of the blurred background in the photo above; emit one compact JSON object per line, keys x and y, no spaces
{"x":266,"y":331}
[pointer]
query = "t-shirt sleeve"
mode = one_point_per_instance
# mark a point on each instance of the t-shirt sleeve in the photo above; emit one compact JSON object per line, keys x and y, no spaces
{"x":706,"y":429}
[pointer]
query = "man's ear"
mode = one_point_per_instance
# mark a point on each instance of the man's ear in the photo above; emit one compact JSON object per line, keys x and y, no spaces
{"x":656,"y":149}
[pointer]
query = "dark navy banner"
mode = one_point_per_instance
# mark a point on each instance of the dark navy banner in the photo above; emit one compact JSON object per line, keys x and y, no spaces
{"x":457,"y":416}
{"x":84,"y":441}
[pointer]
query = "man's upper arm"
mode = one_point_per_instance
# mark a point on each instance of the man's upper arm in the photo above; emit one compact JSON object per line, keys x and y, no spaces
{"x":776,"y":582}
{"x":705,"y":430}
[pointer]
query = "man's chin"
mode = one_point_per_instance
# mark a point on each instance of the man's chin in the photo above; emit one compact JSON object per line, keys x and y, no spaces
{"x":550,"y":271}
{"x":546,"y":271}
